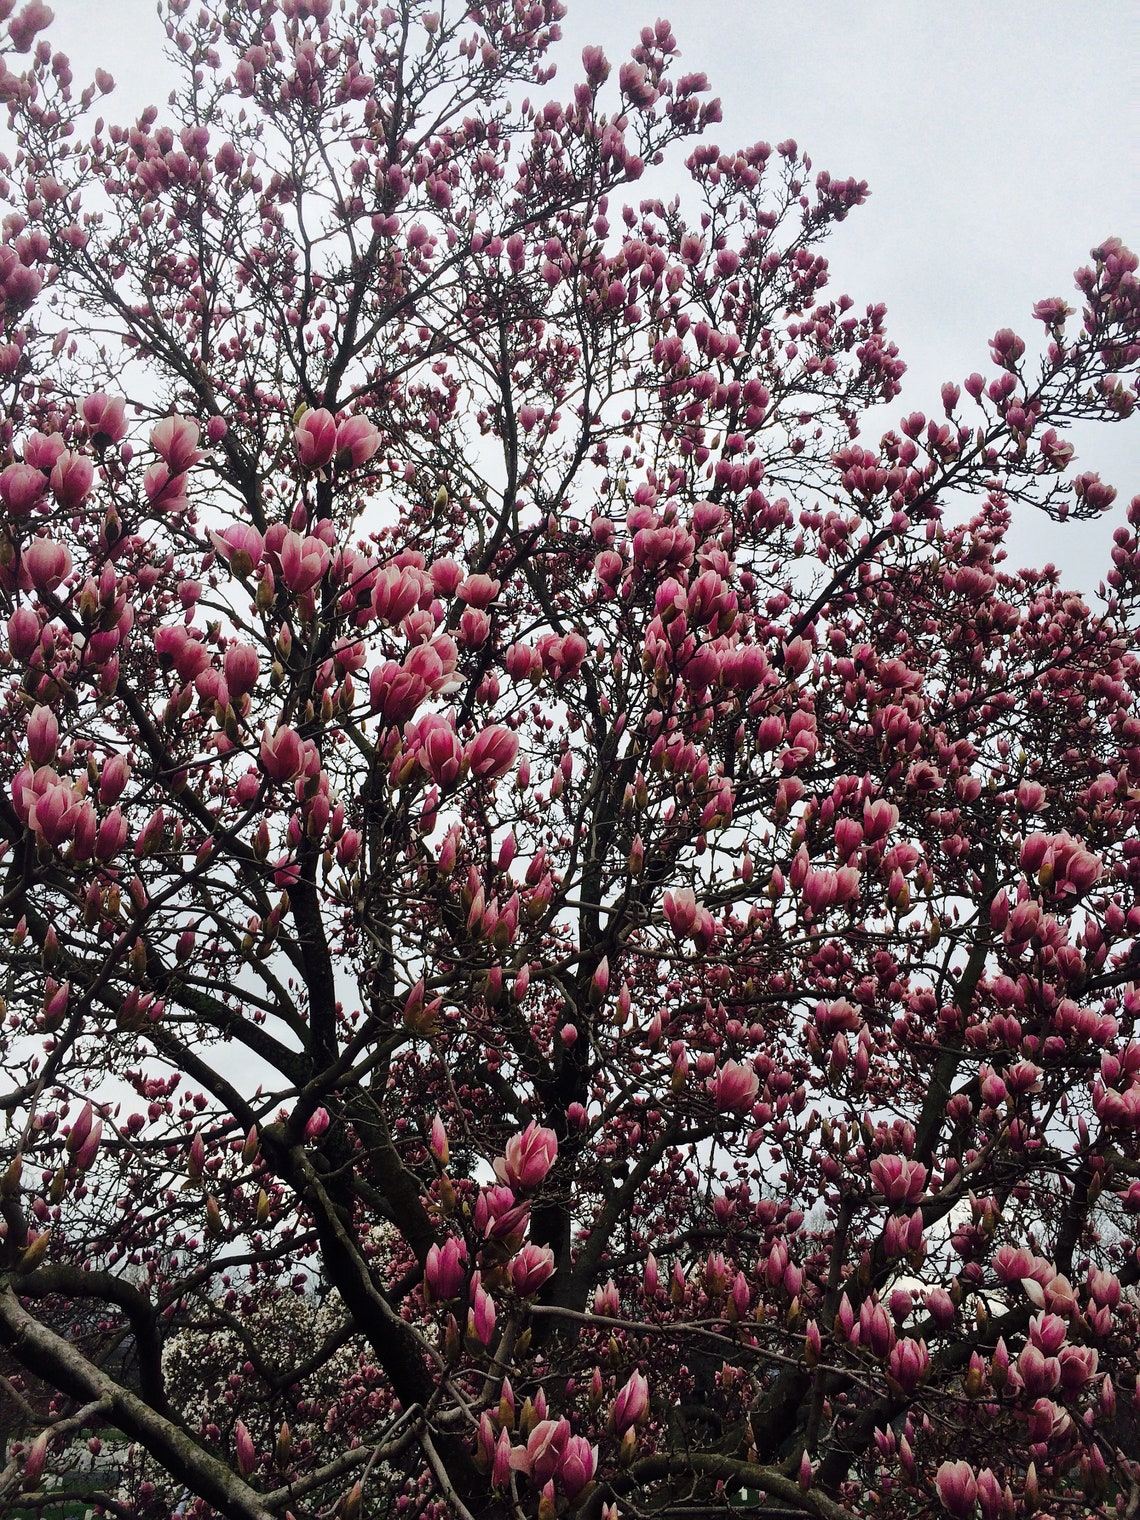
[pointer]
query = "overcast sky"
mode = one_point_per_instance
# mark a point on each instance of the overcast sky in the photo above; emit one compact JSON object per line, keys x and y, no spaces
{"x":999,"y":142}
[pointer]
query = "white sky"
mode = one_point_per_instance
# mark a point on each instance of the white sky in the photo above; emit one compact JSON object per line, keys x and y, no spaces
{"x":998,"y":142}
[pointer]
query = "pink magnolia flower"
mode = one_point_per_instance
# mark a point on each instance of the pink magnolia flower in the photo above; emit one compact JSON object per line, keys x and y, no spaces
{"x":446,"y":575}
{"x":243,"y":1444}
{"x":90,"y":1148}
{"x":531,"y":1268}
{"x":523,"y":663}
{"x":176,"y":645}
{"x":577,"y":1465}
{"x":317,"y":1124}
{"x":1047,"y":1332}
{"x":909,"y":1363}
{"x":175,"y":441}
{"x":607,"y":1299}
{"x":43,"y":735}
{"x":1031,"y":796}
{"x":397,"y":590}
{"x":481,"y":1317}
{"x":492,"y":752}
{"x":562,"y":657}
{"x":501,"y":1463}
{"x":23,"y":633}
{"x":1104,"y":1287}
{"x":608,"y":567}
{"x":1039,"y":1373}
{"x":424,"y":661}
{"x":631,"y":1404}
{"x":113,"y":778}
{"x":106,"y":418}
{"x":741,"y":1296}
{"x":57,"y":999}
{"x":498,"y":1216}
{"x":1060,"y":861}
{"x":1093,"y":492}
{"x":797,"y":655}
{"x":734,"y":1088}
{"x":53,"y":813}
{"x":596,"y":66}
{"x":1078,"y":1366}
{"x":83,"y":831}
{"x":44,"y":564}
{"x":37,"y":1452}
{"x":242,"y":668}
{"x":150,"y":834}
{"x":26,"y":785}
{"x":282,"y":754}
{"x":1082,"y":870}
{"x":848,"y":837}
{"x":529,"y":1156}
{"x":446,"y":1268}
{"x":19,"y":284}
{"x":474,"y":627}
{"x":71,"y":479}
{"x":1057,"y":452}
{"x":21,"y":488}
{"x":486,"y":1446}
{"x":241,"y":546}
{"x":819,"y":890}
{"x":957,"y":1488}
{"x":85,"y":1153}
{"x":813,"y":1343}
{"x":43,"y":449}
{"x":1060,"y":1298}
{"x":437,"y":1141}
{"x":545,"y":1447}
{"x":879,"y":818}
{"x":356,"y":442}
{"x":22,"y":28}
{"x":165,"y":488}
{"x":940,"y":1307}
{"x":315,"y":438}
{"x":990,"y":1494}
{"x":635,"y":83}
{"x":437,"y":749}
{"x":875,"y":1329}
{"x":681,"y":912}
{"x":81,"y":1129}
{"x":348,"y":848}
{"x":303,"y":561}
{"x":395,"y":693}
{"x":111,"y":836}
{"x":84,"y":1136}
{"x":900,"y":1181}
{"x":478,"y":590}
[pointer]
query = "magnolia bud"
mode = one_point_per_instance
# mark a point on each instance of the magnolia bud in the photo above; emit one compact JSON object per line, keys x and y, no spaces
{"x":34,"y":1252}
{"x":35,"y":1459}
{"x":246,"y":1455}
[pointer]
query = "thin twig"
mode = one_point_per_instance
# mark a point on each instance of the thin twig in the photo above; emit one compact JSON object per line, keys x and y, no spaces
{"x":447,"y":1487}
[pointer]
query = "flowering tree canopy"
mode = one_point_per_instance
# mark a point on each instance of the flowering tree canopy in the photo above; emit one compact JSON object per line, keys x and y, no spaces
{"x":570,"y":924}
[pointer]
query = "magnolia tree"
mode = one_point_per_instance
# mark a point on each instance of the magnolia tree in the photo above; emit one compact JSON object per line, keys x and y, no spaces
{"x":570,"y":939}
